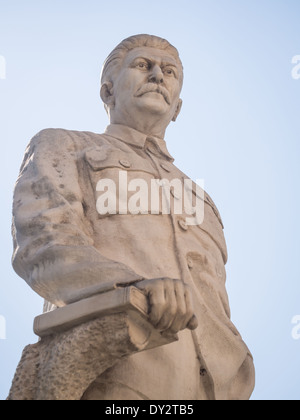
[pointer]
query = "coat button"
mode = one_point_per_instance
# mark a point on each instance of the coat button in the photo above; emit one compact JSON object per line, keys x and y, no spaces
{"x":190,"y":263}
{"x":182,"y":224}
{"x":165,"y":167}
{"x":125,"y":163}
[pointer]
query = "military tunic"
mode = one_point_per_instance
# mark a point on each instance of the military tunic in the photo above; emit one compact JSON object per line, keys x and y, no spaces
{"x":65,"y":249}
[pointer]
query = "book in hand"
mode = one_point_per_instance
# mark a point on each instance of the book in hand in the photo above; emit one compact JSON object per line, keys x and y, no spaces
{"x":128,"y":301}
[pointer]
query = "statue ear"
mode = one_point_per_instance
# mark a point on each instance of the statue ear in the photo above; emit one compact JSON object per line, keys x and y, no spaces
{"x":106,"y":93}
{"x":178,"y":109}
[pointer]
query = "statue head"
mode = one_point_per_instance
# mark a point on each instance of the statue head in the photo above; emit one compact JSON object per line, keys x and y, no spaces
{"x":141,"y":83}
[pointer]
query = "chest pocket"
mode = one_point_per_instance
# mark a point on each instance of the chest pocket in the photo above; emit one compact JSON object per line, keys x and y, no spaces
{"x":106,"y":157}
{"x":121,"y":181}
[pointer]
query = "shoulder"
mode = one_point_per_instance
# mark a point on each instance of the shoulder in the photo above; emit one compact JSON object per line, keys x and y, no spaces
{"x":58,"y":140}
{"x":56,"y":137}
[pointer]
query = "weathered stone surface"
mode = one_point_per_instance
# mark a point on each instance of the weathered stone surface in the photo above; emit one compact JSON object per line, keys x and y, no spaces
{"x":68,"y":244}
{"x":62,"y":366}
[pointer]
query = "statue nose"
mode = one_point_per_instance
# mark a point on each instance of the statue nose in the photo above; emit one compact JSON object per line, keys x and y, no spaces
{"x":156,"y":75}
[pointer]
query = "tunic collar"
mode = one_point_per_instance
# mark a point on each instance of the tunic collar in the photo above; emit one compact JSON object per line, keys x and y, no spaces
{"x":138,"y":139}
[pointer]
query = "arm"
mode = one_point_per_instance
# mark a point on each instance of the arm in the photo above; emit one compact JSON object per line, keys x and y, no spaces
{"x":53,"y":245}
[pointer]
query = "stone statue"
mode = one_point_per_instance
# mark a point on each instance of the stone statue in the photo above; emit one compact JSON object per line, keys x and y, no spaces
{"x":88,"y":219}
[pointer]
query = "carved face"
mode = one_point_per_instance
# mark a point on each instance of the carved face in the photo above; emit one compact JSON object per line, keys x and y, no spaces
{"x":149,"y":81}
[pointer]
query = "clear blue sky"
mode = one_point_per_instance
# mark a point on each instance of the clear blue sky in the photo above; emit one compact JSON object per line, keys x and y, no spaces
{"x":239,"y":131}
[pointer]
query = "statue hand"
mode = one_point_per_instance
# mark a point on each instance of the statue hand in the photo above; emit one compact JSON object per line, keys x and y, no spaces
{"x":171,"y":304}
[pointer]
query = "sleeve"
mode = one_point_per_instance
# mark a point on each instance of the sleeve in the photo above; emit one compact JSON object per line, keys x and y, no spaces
{"x":53,"y":245}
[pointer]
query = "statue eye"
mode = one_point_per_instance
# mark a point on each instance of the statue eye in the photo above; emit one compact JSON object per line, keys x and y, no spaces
{"x":169,"y":71}
{"x":143,"y":65}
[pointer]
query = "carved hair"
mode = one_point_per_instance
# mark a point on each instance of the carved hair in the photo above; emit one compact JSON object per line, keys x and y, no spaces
{"x":114,"y":61}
